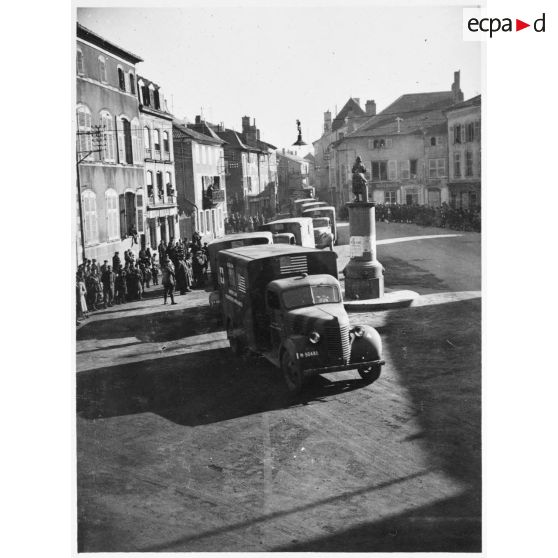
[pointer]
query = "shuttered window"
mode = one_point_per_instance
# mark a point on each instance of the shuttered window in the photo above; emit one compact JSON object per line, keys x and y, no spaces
{"x":84,"y":137}
{"x":89,"y":208}
{"x":102,"y":69}
{"x":404,"y":170}
{"x":111,"y":200}
{"x":136,"y":141}
{"x":139,"y":209}
{"x":392,"y":171}
{"x":109,"y":149}
{"x":79,"y":62}
{"x":121,"y":80}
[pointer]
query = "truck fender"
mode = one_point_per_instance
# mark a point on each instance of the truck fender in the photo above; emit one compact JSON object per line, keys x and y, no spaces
{"x":368,"y":347}
{"x":294,"y":344}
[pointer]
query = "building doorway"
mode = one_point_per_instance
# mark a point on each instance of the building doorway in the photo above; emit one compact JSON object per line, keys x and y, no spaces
{"x":164,"y":232}
{"x":127,"y":204}
{"x":434,"y":197}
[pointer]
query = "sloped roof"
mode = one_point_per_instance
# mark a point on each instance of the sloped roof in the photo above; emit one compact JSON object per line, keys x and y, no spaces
{"x":350,"y":105}
{"x":196,"y":136}
{"x":290,"y":156}
{"x":97,"y":40}
{"x":472,"y":102}
{"x":418,"y":111}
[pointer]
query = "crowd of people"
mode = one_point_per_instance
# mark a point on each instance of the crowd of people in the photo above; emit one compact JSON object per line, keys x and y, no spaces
{"x":244,"y":223}
{"x":444,"y":216}
{"x":181,"y":265}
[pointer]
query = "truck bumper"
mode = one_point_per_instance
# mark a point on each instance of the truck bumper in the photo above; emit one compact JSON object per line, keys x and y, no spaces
{"x":340,"y":367}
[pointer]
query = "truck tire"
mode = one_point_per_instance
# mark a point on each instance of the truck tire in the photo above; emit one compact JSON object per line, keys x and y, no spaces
{"x":291,"y":372}
{"x":370,"y":373}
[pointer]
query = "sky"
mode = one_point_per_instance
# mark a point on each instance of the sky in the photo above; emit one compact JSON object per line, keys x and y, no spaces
{"x":280,"y":64}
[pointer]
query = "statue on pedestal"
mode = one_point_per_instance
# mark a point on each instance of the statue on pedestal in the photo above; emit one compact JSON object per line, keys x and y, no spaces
{"x":359,"y":181}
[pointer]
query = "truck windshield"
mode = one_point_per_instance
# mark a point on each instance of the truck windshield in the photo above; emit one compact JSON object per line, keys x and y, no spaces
{"x":310,"y":295}
{"x":321,"y":222}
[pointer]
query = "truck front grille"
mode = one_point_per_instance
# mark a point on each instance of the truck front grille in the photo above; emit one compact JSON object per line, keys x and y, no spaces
{"x":338,"y":342}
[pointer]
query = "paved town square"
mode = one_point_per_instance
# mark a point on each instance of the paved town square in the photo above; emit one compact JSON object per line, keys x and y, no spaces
{"x":184,"y":447}
{"x":277,"y":280}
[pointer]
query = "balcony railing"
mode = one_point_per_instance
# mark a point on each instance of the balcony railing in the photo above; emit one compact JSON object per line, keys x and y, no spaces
{"x":157,"y":155}
{"x":160,"y":200}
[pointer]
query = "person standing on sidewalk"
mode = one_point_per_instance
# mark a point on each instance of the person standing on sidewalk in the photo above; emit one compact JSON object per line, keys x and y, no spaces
{"x":107,"y":278}
{"x":81,"y":291}
{"x":168,"y":280}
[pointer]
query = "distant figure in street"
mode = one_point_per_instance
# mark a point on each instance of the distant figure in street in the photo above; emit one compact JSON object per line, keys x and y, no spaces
{"x":120,"y":287}
{"x":134,"y":234}
{"x":182,"y":277}
{"x":155,"y":271}
{"x":169,"y":280}
{"x":116,"y":263}
{"x":81,"y":291}
{"x":107,"y":279}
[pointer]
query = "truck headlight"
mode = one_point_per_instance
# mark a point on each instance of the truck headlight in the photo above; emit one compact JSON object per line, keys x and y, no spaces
{"x":358,"y":331}
{"x":314,"y":337}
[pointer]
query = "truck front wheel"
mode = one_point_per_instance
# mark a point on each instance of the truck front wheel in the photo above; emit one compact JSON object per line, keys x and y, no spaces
{"x":291,"y":371}
{"x":370,"y":373}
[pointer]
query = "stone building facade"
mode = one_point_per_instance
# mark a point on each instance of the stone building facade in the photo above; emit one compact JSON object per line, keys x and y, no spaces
{"x":161,"y":200}
{"x":464,"y":153}
{"x":111,"y":181}
{"x":404,"y":149}
{"x":200,"y":181}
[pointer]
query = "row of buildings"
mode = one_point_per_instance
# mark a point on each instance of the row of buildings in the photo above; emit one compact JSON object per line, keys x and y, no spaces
{"x":144,"y":175}
{"x":424,"y":148}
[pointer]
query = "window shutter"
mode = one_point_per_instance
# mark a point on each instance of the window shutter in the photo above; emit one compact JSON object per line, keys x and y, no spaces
{"x":120,"y":140}
{"x":122,"y":207}
{"x":463,"y":134}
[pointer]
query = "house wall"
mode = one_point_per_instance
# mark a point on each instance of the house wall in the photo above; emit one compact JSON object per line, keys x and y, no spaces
{"x":96,"y":174}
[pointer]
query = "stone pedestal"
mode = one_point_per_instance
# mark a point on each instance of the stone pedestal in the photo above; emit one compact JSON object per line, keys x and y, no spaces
{"x":364,"y":274}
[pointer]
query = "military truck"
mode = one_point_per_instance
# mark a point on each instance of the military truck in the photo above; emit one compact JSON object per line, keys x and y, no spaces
{"x":284,"y":302}
{"x":301,"y":228}
{"x":234,"y":241}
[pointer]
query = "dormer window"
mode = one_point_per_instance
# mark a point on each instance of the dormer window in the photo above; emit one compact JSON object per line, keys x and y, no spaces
{"x":145,"y":95}
{"x":156,"y":101}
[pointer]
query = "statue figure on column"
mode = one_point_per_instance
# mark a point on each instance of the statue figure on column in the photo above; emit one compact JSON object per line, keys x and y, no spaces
{"x":360,"y":189}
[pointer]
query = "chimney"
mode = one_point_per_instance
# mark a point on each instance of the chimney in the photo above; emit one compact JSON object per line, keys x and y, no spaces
{"x":257,"y":134}
{"x":456,"y":87}
{"x":371,"y":108}
{"x":198,"y":119}
{"x":245,"y":123}
{"x":327,"y":121}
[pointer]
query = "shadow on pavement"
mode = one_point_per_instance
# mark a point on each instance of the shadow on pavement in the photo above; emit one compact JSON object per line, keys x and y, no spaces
{"x":438,"y":527}
{"x":154,"y":327}
{"x":402,"y":274}
{"x":196,"y":388}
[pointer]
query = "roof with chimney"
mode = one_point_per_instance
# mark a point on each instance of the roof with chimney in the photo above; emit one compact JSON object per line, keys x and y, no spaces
{"x":351,"y":108}
{"x":411,"y":113}
{"x":187,"y":132}
{"x":92,"y":37}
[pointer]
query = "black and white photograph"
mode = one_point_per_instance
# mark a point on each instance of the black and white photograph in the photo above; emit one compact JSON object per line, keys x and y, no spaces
{"x":278,"y":289}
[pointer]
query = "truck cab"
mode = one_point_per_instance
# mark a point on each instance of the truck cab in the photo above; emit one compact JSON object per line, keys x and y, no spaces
{"x":285,"y":303}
